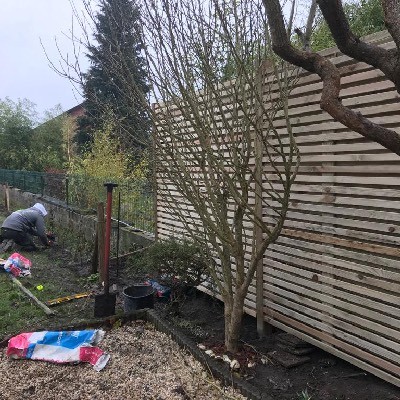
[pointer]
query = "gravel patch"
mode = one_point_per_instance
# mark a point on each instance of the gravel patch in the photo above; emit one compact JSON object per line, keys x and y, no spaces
{"x":145,"y":364}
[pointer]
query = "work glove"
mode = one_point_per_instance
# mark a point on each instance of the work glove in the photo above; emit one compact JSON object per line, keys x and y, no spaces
{"x":51,"y":236}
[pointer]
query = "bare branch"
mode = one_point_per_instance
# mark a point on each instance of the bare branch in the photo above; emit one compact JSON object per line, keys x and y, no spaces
{"x":203,"y":57}
{"x":330,"y":99}
{"x":386,"y":60}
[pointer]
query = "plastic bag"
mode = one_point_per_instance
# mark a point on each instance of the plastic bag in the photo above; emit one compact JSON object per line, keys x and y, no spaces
{"x":162,"y":292}
{"x":18,"y":265}
{"x":60,"y":347}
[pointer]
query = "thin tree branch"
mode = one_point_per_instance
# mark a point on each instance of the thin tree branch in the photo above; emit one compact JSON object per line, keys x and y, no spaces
{"x":330,"y":100}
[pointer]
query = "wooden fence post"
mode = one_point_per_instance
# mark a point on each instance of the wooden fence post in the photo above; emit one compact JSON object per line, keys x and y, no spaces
{"x":262,"y":327}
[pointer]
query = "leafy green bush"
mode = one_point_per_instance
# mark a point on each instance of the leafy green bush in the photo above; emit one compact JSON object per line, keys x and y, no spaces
{"x":106,"y":163}
{"x":179,"y":264}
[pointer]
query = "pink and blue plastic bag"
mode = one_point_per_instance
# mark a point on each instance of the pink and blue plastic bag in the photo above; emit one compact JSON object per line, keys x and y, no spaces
{"x":60,"y":347}
{"x":18,"y":265}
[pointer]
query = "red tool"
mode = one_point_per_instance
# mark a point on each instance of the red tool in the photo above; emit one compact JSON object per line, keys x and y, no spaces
{"x":110,"y":186}
{"x":104,"y":304}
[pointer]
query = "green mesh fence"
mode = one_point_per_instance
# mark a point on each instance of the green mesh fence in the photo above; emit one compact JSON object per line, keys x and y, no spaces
{"x":25,"y":180}
{"x":132,"y":200}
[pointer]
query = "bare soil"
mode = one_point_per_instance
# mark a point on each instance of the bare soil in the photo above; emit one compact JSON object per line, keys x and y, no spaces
{"x":324,"y":376}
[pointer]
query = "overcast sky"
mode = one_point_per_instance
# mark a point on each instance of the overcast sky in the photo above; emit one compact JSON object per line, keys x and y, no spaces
{"x":25,"y":71}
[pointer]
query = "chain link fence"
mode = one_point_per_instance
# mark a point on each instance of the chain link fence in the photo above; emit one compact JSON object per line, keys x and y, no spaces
{"x":132,"y":200}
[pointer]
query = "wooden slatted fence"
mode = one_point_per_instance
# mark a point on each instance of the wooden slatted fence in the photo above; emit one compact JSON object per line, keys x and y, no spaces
{"x":333,"y":276}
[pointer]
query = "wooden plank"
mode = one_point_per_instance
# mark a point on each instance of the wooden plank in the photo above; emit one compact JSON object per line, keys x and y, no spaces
{"x":351,"y":304}
{"x":43,"y":306}
{"x":329,"y":338}
{"x":340,"y":222}
{"x":356,"y":180}
{"x":378,"y":296}
{"x":356,"y":158}
{"x":352,"y":234}
{"x":330,"y":305}
{"x":343,"y":212}
{"x":374,"y":87}
{"x":333,"y":125}
{"x":352,"y":244}
{"x":302,"y":258}
{"x":354,"y":79}
{"x":331,"y":198}
{"x":366,"y":192}
{"x":369,"y":259}
{"x":363,"y":100}
{"x":386,"y":169}
{"x":358,"y":275}
{"x":367,"y":111}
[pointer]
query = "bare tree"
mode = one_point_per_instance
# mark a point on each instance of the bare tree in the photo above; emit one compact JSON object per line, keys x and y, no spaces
{"x":388,"y":60}
{"x":221,"y":163}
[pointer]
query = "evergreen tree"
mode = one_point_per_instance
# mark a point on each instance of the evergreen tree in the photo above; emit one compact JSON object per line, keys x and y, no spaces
{"x":116,"y":83}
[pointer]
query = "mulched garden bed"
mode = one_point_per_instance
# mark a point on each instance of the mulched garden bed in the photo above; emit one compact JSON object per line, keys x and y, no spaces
{"x":323,"y":376}
{"x":145,"y":364}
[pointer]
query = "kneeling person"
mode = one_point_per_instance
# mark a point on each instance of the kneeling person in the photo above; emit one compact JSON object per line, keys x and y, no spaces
{"x":22,"y":224}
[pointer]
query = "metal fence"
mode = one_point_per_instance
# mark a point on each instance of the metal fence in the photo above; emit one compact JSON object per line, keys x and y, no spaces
{"x":132,"y":200}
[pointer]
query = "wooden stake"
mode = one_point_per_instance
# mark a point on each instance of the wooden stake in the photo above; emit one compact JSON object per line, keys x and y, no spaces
{"x":7,"y":198}
{"x":32,"y":296}
{"x":95,"y":254}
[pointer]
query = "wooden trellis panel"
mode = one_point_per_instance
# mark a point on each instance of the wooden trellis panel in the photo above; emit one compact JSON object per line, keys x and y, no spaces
{"x":333,"y":277}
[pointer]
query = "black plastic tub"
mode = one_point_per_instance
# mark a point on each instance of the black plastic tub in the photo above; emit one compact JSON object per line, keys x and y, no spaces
{"x":137,"y":297}
{"x":104,"y":304}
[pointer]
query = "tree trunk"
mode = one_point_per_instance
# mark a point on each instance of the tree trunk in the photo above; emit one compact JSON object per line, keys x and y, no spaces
{"x":233,"y":321}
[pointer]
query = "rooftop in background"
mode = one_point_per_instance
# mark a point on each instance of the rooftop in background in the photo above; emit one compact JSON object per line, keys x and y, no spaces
{"x":76,"y":111}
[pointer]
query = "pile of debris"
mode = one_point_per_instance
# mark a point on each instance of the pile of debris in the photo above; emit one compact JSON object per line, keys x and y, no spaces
{"x":292,"y":351}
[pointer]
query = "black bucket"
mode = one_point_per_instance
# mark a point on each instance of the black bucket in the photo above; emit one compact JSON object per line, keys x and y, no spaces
{"x":137,"y":297}
{"x":104,"y":305}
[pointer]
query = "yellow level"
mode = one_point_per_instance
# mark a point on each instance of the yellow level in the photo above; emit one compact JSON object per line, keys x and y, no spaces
{"x":64,"y":299}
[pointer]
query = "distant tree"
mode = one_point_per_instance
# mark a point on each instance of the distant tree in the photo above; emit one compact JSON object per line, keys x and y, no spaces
{"x":48,"y":146}
{"x":19,"y":113}
{"x":116,"y":66}
{"x":15,"y":147}
{"x":16,"y":122}
{"x":104,"y":162}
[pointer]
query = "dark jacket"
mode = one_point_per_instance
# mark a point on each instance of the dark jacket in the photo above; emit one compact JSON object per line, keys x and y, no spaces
{"x":30,"y":221}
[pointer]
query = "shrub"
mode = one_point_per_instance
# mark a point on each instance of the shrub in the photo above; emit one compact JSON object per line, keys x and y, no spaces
{"x":179,"y":264}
